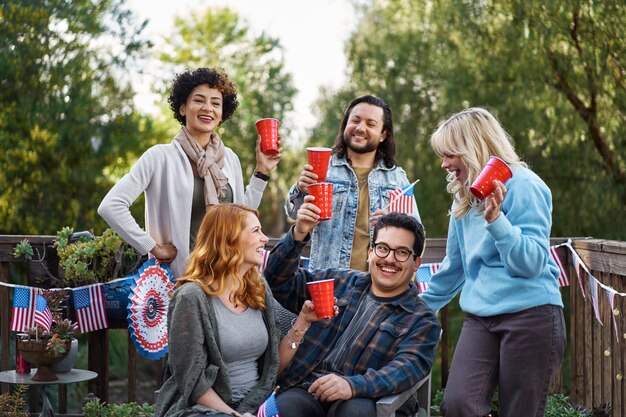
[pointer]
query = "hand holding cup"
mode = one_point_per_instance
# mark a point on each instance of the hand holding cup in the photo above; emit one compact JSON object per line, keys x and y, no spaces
{"x":307,"y":218}
{"x":307,"y":177}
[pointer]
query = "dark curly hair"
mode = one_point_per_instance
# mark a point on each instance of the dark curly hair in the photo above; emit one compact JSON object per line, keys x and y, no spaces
{"x":215,"y":78}
{"x":403,"y":221}
{"x":387,"y":149}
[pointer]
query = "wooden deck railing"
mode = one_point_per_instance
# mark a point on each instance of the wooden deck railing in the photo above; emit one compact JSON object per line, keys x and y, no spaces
{"x":593,"y":379}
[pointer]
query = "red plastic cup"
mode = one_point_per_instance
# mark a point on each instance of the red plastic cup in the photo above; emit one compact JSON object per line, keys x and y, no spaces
{"x":323,"y":297}
{"x":319,"y":159}
{"x":323,"y":193}
{"x":496,"y":169}
{"x":268,"y":130}
{"x":22,"y":366}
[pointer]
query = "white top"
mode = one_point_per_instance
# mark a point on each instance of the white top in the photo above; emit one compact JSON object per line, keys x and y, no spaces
{"x":164,"y":173}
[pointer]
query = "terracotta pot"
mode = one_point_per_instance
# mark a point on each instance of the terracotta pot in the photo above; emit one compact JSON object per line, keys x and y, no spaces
{"x":36,"y":352}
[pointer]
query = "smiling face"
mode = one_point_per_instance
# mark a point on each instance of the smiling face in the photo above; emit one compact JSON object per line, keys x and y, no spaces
{"x":389,"y":276}
{"x":455,"y":165}
{"x":253,"y":241}
{"x":202,"y":111}
{"x":364,"y":130}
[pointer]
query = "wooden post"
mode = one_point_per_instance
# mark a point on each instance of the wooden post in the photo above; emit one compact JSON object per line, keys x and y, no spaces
{"x":98,"y":361}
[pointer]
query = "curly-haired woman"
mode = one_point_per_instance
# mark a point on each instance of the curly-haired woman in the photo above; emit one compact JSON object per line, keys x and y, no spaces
{"x":182,"y":178}
{"x":225,"y":358}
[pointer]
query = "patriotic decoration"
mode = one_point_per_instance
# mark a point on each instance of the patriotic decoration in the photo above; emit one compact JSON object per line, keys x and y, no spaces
{"x":423,"y":274}
{"x":593,"y":289}
{"x":43,"y":315}
{"x":269,"y":408}
{"x":147,"y":312}
{"x":426,"y":271}
{"x":89,"y":306}
{"x":611,"y":296}
{"x":563,"y":279}
{"x":402,"y":200}
{"x":23,"y":309}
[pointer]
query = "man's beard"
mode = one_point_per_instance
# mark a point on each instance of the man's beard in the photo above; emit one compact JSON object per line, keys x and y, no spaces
{"x":367,"y":148}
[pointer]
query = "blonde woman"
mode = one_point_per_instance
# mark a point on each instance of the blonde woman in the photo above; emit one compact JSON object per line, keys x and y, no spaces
{"x":513,"y":335}
{"x":225,"y":347}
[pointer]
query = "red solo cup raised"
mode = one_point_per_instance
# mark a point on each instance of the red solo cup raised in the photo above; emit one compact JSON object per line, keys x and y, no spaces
{"x":323,"y":297}
{"x":319,"y":159}
{"x":495,"y":169}
{"x":323,"y":193}
{"x":268,"y":130}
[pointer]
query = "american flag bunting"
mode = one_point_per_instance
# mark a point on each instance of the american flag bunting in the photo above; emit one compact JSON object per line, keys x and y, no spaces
{"x":23,"y":309}
{"x":90,"y":311}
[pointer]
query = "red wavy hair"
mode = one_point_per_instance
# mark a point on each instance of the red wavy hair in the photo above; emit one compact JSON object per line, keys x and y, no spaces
{"x":218,"y":255}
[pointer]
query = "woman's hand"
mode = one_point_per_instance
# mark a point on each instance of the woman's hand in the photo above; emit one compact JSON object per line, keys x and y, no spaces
{"x":165,"y":252}
{"x":307,"y":218}
{"x":494,"y":201}
{"x":307,"y":177}
{"x":265,"y":164}
{"x":308,"y":315}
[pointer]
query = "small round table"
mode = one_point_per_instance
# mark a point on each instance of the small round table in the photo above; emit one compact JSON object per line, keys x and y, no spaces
{"x":71,"y":377}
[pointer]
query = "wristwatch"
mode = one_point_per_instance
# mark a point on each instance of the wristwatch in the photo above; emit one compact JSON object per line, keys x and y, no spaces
{"x":261,"y":176}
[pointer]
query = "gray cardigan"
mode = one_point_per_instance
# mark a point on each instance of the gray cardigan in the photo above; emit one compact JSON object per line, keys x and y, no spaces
{"x":196,"y":362}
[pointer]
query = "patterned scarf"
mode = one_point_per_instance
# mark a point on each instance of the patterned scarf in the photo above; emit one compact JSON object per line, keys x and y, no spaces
{"x":209,"y":162}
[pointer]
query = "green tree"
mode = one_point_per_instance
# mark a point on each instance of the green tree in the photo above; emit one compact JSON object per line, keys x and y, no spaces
{"x":220,"y":38}
{"x":67,"y":117}
{"x":553,"y":73}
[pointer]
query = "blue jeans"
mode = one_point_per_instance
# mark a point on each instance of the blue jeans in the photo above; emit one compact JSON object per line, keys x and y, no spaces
{"x":518,"y":353}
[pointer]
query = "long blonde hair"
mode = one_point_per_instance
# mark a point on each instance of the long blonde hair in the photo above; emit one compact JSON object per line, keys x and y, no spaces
{"x":473,"y":134}
{"x":219,"y":253}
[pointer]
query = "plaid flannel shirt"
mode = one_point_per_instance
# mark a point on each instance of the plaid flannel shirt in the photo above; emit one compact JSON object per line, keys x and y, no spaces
{"x":397,"y":348}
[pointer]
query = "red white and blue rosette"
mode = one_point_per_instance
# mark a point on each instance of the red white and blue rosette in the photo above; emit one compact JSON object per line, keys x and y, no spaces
{"x":147,"y":310}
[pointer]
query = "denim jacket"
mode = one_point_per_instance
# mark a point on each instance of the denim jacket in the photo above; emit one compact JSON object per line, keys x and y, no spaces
{"x":331,"y":243}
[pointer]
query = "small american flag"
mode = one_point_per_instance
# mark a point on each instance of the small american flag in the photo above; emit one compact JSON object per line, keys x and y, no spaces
{"x":89,"y":305}
{"x":23,"y":309}
{"x":269,"y":408}
{"x":401,"y":200}
{"x":43,"y":315}
{"x":423,"y":275}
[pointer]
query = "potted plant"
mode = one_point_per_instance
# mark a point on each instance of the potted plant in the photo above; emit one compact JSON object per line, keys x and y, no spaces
{"x":85,"y":259}
{"x":44,"y":348}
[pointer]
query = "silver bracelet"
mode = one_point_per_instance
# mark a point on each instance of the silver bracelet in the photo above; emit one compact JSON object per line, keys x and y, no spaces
{"x":294,"y":345}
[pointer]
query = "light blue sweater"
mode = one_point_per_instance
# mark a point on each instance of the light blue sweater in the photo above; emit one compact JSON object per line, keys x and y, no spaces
{"x":505,"y":266}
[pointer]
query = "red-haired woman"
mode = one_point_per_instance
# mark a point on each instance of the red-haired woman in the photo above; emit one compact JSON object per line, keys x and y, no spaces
{"x":224,"y":349}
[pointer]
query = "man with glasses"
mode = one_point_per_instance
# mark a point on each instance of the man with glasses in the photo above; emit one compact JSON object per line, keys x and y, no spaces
{"x":383,"y":339}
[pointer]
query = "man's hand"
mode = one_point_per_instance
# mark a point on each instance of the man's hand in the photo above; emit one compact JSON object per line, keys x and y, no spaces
{"x":377,"y":215}
{"x":165,"y":252}
{"x":307,"y":177}
{"x":306,"y":219}
{"x":265,"y":164}
{"x":331,"y":387}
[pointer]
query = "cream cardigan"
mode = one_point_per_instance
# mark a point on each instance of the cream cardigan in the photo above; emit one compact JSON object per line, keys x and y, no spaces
{"x":164,"y":173}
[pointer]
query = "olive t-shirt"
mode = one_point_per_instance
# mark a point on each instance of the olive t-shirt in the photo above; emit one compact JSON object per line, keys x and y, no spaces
{"x":361,"y":241}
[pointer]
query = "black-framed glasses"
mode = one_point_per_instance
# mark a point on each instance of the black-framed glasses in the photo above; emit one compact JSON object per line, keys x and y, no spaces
{"x":400,"y":254}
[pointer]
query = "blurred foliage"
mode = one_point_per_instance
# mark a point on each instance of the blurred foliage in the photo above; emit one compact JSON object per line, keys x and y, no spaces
{"x":67,"y":115}
{"x":553,"y":74}
{"x":218,"y":37}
